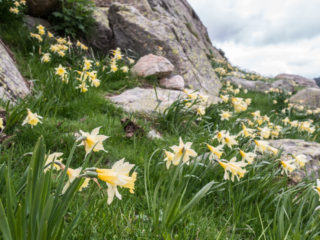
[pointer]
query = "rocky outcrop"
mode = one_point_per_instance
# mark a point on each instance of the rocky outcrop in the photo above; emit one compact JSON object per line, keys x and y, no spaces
{"x":12,"y":84}
{"x":299,"y":80}
{"x":260,"y":86}
{"x":41,"y":8}
{"x":152,"y":65}
{"x":102,"y":38}
{"x":32,"y":22}
{"x":309,"y":97}
{"x":296,"y":146}
{"x":169,"y":28}
{"x":149,"y":100}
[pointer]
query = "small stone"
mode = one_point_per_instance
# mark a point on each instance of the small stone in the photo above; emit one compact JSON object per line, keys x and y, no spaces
{"x":152,"y":65}
{"x":154,"y":135}
{"x":175,"y":82}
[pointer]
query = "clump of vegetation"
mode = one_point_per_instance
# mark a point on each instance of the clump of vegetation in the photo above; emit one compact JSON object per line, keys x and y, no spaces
{"x":74,"y":18}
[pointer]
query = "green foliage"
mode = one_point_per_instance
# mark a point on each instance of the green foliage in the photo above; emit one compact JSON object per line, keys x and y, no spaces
{"x":6,"y":11}
{"x":35,"y":209}
{"x":74,"y":18}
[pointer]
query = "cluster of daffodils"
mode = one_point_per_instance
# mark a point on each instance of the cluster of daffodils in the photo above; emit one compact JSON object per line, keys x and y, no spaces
{"x":116,"y":176}
{"x":114,"y":62}
{"x":301,"y":126}
{"x":87,"y":76}
{"x":198,"y":100}
{"x":17,"y":6}
{"x":293,"y":162}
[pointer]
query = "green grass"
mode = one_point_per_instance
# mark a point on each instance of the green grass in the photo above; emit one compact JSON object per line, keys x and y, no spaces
{"x":260,"y":206}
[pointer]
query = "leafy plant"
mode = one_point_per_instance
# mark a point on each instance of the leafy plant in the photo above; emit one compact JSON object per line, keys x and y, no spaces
{"x":36,"y":209}
{"x":74,"y":18}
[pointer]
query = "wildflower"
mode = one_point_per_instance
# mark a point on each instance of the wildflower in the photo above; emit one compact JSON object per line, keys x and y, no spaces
{"x":216,"y":151}
{"x":14,"y":10}
{"x":287,"y":166}
{"x":183,"y":151}
{"x":93,"y":141}
{"x":118,"y":175}
{"x":32,"y":118}
{"x":73,"y":174}
{"x":248,"y":157}
{"x":50,"y":35}
{"x":60,"y":71}
{"x":300,"y":160}
{"x":265,"y":132}
{"x":83,"y":87}
{"x":236,"y":169}
{"x":23,"y":2}
{"x":286,"y":121}
{"x":1,"y":124}
{"x":46,"y":58}
{"x":225,"y":115}
{"x":125,"y":69}
{"x":61,"y":40}
{"x":201,"y":111}
{"x":17,"y":4}
{"x":114,"y":67}
{"x":246,"y":132}
{"x":41,"y":29}
{"x":86,"y":64}
{"x":317,"y":188}
{"x":256,"y":114}
{"x":170,"y":159}
{"x":117,"y":54}
{"x":131,"y":61}
{"x":229,"y":140}
{"x":53,"y":158}
{"x":36,"y":36}
{"x":225,"y":98}
{"x":61,"y":53}
{"x":274,"y":101}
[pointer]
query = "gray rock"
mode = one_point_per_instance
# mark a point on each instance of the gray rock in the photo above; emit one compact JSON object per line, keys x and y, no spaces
{"x":296,"y":147}
{"x":169,"y":28}
{"x":309,"y":97}
{"x":102,"y":38}
{"x":12,"y":84}
{"x":299,"y":80}
{"x":176,"y":82}
{"x":148,"y":100}
{"x":152,"y":65}
{"x":41,"y":8}
{"x":32,"y":22}
{"x":260,"y":86}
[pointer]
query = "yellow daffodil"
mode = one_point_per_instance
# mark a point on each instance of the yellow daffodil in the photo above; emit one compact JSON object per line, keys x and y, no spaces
{"x":131,"y":61}
{"x":41,"y":29}
{"x":236,"y":169}
{"x":118,"y":175}
{"x":225,"y":115}
{"x":46,"y":58}
{"x":216,"y":151}
{"x":170,"y":159}
{"x":248,"y":157}
{"x":53,"y":158}
{"x":50,"y":35}
{"x":1,"y":124}
{"x":93,"y":141}
{"x":114,"y":67}
{"x":60,"y":71}
{"x":83,"y":87}
{"x":125,"y":69}
{"x":72,"y":175}
{"x":183,"y":152}
{"x":287,"y":166}
{"x":36,"y":36}
{"x":14,"y":10}
{"x":32,"y":118}
{"x":317,"y":187}
{"x":300,"y":160}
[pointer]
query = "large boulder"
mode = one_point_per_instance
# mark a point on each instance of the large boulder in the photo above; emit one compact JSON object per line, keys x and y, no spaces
{"x":102,"y":38}
{"x":169,"y":28}
{"x":12,"y":84}
{"x":41,"y":8}
{"x":152,"y":65}
{"x":299,"y":80}
{"x":296,"y":146}
{"x":149,"y":100}
{"x":261,"y":86}
{"x":309,"y":97}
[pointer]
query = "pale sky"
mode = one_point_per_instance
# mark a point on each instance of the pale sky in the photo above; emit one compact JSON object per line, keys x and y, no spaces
{"x":266,"y":36}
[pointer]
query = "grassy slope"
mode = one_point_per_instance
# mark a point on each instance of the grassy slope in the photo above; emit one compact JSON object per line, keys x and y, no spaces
{"x":244,"y":210}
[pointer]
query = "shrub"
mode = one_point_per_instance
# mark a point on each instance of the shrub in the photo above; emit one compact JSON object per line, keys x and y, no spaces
{"x":74,"y":17}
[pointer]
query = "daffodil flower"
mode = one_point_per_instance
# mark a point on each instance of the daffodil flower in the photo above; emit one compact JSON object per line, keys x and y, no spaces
{"x":183,"y":152}
{"x":53,"y":158}
{"x":287,"y":166}
{"x":92,"y":141}
{"x":32,"y":118}
{"x":236,"y":169}
{"x":300,"y":160}
{"x":216,"y":151}
{"x":248,"y":157}
{"x":317,"y":187}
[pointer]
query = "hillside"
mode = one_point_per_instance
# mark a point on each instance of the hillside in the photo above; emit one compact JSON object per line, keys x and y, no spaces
{"x":137,"y":128}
